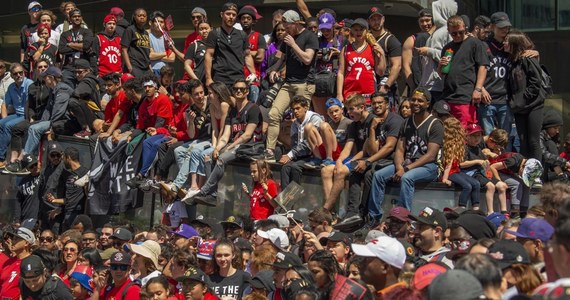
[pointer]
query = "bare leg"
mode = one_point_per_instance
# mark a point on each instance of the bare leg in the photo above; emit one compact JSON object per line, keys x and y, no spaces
{"x":319,"y":105}
{"x":194,"y":181}
{"x":502,"y":190}
{"x":327,"y":178}
{"x":489,"y":196}
{"x":313,"y":139}
{"x":329,"y":138}
{"x":338,"y":186}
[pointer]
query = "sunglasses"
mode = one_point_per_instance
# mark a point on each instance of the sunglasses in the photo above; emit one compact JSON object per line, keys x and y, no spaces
{"x":88,"y":239}
{"x":18,"y":73}
{"x":42,"y":67}
{"x":69,"y":250}
{"x":35,"y":9}
{"x":55,"y":155}
{"x":239,"y":89}
{"x":48,"y":239}
{"x":456,"y":33}
{"x":196,"y":17}
{"x":119,"y":267}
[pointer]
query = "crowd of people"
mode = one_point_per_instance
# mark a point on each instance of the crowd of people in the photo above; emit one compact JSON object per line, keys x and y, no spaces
{"x":317,"y":94}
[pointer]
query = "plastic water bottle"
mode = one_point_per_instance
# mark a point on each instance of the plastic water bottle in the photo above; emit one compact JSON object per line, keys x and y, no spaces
{"x":446,"y":68}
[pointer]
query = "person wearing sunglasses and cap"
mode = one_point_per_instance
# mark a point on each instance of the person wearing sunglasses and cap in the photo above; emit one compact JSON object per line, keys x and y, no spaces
{"x":122,"y":286}
{"x":20,"y":242}
{"x":28,"y":186}
{"x":37,"y":283}
{"x":26,"y":32}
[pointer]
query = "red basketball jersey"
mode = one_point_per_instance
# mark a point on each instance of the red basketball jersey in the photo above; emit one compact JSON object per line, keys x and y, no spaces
{"x":359,"y":74}
{"x":253,"y":41}
{"x":110,"y":59}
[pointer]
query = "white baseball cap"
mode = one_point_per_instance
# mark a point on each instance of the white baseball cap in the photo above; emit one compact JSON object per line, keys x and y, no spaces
{"x":277,"y":236}
{"x":385,"y":248}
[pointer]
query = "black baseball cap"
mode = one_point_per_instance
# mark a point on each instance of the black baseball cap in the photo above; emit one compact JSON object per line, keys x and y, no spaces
{"x":508,"y":253}
{"x":374,"y":10}
{"x":230,"y":5}
{"x":263,"y":280}
{"x":286,"y":260}
{"x":121,"y":258}
{"x":29,"y":161}
{"x":361,"y":22}
{"x":336,"y":236}
{"x":81,"y":64}
{"x":431,"y":216}
{"x":232,"y":220}
{"x":441,"y":107}
{"x":32,"y":264}
{"x":122,"y":234}
{"x":193,"y":273}
{"x":501,"y":19}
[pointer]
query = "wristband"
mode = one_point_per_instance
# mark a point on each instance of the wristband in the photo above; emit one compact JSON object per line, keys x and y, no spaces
{"x":406,"y":169}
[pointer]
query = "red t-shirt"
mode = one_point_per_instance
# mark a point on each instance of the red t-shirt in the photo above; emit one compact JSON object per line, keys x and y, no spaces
{"x":149,"y":111}
{"x":253,"y":41}
{"x":10,"y":279}
{"x":179,"y":121}
{"x":565,"y":155}
{"x":259,"y":207}
{"x":120,"y":102}
{"x":116,"y":293}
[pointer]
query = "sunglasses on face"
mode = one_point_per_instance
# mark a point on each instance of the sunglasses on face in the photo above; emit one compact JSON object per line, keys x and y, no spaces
{"x":18,"y":73}
{"x":119,"y":267}
{"x":456,"y":33}
{"x":239,"y":89}
{"x":47,"y":239}
{"x":72,"y":250}
{"x":55,"y":155}
{"x":42,"y":67}
{"x":35,"y":9}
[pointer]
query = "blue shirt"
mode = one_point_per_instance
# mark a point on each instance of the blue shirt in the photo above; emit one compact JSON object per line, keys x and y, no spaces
{"x":17,"y":97}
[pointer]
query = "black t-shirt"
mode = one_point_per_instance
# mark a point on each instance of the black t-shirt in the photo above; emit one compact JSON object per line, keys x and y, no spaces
{"x":239,"y":120}
{"x":459,"y":83}
{"x":132,"y":117}
{"x":358,"y":132}
{"x":419,"y":136}
{"x":512,"y":163}
{"x":392,"y":48}
{"x":498,"y":70}
{"x":82,"y":35}
{"x":232,"y":286}
{"x":74,"y":194}
{"x":341,"y":130}
{"x":49,"y":53}
{"x":474,"y":153}
{"x":229,"y":54}
{"x":202,"y":122}
{"x":28,"y":196}
{"x":196,"y":52}
{"x":391,"y":127}
{"x":53,"y":289}
{"x":26,"y":35}
{"x":420,"y":40}
{"x":297,"y":71}
{"x":138,"y":43}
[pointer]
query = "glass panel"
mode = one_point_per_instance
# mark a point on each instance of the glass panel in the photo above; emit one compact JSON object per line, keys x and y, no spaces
{"x":564,"y":14}
{"x":532,"y":14}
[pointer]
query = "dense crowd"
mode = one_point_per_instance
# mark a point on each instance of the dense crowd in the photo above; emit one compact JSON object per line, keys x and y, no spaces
{"x":317,"y":94}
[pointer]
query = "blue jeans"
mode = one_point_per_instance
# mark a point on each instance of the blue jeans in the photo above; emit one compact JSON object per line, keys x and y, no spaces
{"x":253,"y":93}
{"x":188,"y":160}
{"x":6,"y":125}
{"x":495,"y":116}
{"x":35,"y":132}
{"x":425,"y":173}
{"x":470,"y":188}
{"x":211,"y":185}
{"x":150,"y":149}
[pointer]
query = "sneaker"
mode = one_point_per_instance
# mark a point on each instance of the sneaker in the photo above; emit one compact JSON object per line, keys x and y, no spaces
{"x":537,"y":183}
{"x":2,"y":164}
{"x":207,"y":200}
{"x":188,"y":198}
{"x":14,"y":167}
{"x":269,"y":156}
{"x":149,"y":185}
{"x":83,"y":134}
{"x":313,"y":164}
{"x":82,"y":181}
{"x":136,"y":181}
{"x":328,"y":162}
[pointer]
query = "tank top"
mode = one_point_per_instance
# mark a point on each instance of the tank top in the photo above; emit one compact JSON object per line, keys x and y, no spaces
{"x":109,"y":55}
{"x":359,"y":71}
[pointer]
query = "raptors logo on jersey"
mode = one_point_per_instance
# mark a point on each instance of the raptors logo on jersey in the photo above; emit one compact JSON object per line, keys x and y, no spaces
{"x":359,"y":75}
{"x":109,"y":54}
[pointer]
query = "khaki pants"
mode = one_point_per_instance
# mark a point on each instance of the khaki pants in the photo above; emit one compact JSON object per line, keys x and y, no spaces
{"x":280,"y":105}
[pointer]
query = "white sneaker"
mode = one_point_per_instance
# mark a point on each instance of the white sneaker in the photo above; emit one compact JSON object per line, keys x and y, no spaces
{"x":188,"y":198}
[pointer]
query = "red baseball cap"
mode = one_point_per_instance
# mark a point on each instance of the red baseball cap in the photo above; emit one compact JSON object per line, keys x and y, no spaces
{"x":426,"y":274}
{"x":473,"y":128}
{"x":400,"y":213}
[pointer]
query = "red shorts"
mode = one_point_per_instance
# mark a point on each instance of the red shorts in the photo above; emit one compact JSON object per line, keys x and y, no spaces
{"x":465,"y":113}
{"x":335,"y":154}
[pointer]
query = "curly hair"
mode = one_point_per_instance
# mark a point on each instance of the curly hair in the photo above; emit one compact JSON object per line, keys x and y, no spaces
{"x":453,"y":141}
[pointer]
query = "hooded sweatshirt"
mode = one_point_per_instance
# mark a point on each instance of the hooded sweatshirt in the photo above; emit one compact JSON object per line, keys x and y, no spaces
{"x":299,"y":148}
{"x":57,"y":106}
{"x":442,"y":10}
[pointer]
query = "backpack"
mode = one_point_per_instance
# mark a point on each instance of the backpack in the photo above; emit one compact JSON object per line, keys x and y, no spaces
{"x":545,"y":78}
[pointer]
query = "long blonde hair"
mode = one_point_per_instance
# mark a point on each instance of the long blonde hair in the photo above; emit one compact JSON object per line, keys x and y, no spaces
{"x":453,"y":141}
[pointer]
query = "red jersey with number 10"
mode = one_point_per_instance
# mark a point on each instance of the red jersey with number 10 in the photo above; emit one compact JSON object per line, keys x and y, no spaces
{"x":109,"y":55}
{"x":359,"y":71}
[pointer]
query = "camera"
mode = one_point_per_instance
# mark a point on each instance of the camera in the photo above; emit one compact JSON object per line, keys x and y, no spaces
{"x":267,"y":97}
